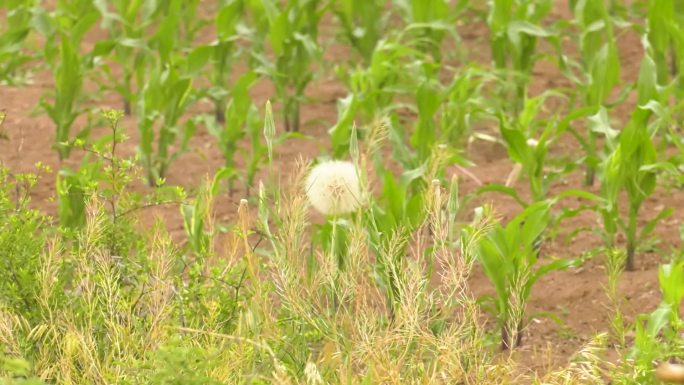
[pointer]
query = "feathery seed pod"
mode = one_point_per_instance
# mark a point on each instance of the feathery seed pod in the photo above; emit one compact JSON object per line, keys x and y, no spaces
{"x":333,"y":187}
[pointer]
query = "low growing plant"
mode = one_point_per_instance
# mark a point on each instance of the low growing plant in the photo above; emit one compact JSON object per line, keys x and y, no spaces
{"x":21,"y":240}
{"x":657,"y":336}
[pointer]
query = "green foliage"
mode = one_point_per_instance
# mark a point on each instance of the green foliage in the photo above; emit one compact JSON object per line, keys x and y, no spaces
{"x":675,"y":164}
{"x":104,"y":175}
{"x":179,"y":363}
{"x":373,"y":90}
{"x":657,"y":334}
{"x":445,"y":116}
{"x":197,"y":216}
{"x":600,"y":64}
{"x":18,"y":372}
{"x":74,"y":189}
{"x":21,"y":242}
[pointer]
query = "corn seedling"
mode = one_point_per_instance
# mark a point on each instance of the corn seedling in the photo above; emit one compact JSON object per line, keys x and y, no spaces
{"x":240,"y":119}
{"x":222,"y":54}
{"x":13,"y":34}
{"x":191,"y":21}
{"x":666,"y":36}
{"x":428,"y":23}
{"x":599,"y":67}
{"x":127,"y":23}
{"x":527,"y":139}
{"x":293,"y":38}
{"x":444,"y":117}
{"x":262,"y":138}
{"x":362,"y":24}
{"x":72,"y":20}
{"x":373,"y":91}
{"x":162,"y":102}
{"x":465,"y":106}
{"x":515,"y":27}
{"x":263,"y":145}
{"x":627,"y":168}
{"x":69,"y":81}
{"x":510,"y":259}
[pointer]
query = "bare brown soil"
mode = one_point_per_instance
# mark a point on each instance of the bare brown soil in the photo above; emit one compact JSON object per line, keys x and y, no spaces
{"x":577,"y":296}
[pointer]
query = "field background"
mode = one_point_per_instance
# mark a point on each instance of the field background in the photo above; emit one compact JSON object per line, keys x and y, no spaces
{"x":576,"y":296}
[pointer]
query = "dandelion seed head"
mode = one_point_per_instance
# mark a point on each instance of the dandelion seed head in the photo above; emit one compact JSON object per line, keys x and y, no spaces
{"x":333,"y":187}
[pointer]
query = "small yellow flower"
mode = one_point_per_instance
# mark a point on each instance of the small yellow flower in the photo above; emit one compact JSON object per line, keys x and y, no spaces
{"x":333,"y":187}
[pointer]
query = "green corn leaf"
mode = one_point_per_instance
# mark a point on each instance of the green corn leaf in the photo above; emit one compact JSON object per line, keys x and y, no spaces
{"x":648,"y":80}
{"x":650,"y":226}
{"x":494,"y":187}
{"x":228,"y":18}
{"x":198,"y":58}
{"x":658,"y":320}
{"x":555,"y":265}
{"x":671,"y":279}
{"x":83,"y":25}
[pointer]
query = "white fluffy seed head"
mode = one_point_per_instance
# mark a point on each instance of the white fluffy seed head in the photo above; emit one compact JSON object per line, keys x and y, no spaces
{"x":333,"y":187}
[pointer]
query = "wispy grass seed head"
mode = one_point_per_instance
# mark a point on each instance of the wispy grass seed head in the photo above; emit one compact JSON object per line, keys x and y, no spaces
{"x":333,"y":187}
